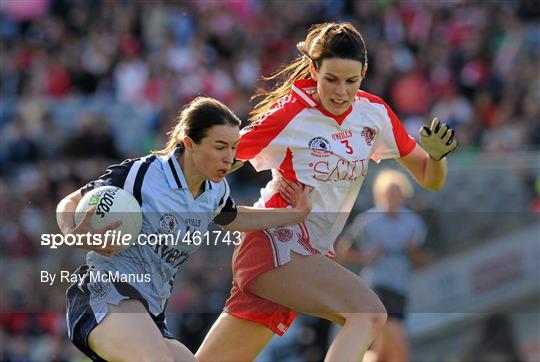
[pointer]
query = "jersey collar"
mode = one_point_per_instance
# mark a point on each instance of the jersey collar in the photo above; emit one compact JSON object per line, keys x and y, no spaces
{"x":304,"y":88}
{"x":174,"y":173}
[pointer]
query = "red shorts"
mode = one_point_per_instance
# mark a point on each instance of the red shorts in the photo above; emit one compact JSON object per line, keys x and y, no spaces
{"x":260,"y":252}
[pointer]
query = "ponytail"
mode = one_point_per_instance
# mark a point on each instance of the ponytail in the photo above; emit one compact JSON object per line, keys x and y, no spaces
{"x":195,"y":119}
{"x":327,"y":40}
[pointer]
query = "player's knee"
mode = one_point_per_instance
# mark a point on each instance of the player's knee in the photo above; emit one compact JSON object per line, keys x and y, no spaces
{"x":372,"y":320}
{"x":377,"y":313}
{"x":372,"y":315}
{"x":372,"y":312}
{"x":379,"y":317}
{"x":378,"y":320}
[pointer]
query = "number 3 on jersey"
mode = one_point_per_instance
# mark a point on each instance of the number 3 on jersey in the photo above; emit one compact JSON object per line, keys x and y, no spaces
{"x":349,"y":149}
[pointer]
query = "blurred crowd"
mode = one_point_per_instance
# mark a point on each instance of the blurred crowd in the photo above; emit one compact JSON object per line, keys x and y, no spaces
{"x":474,"y":64}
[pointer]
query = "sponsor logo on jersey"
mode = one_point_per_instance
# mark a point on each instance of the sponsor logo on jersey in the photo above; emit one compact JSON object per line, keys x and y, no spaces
{"x":283,"y":234}
{"x":339,"y":170}
{"x":193,"y":222}
{"x":342,"y":135}
{"x":170,"y":254}
{"x":369,"y":135}
{"x":167,"y":223}
{"x":320,"y":147}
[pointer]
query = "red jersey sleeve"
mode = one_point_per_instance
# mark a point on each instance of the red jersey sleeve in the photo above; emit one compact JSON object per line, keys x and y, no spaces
{"x":264,"y":143}
{"x":394,"y":142}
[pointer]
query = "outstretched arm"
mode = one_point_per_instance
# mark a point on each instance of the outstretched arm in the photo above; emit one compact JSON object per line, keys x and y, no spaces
{"x":429,"y":173}
{"x":251,"y":218}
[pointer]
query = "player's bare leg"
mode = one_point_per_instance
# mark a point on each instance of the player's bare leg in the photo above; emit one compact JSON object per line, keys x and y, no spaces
{"x":233,"y":339}
{"x":128,"y":333}
{"x":179,"y":351}
{"x":310,"y":284}
{"x":391,"y":345}
{"x":317,"y":285}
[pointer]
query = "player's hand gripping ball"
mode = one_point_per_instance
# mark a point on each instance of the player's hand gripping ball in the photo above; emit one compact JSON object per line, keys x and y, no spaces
{"x":438,"y":140}
{"x":112,"y":204}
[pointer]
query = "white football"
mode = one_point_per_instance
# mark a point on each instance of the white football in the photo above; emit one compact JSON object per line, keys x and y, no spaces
{"x":112,"y":204}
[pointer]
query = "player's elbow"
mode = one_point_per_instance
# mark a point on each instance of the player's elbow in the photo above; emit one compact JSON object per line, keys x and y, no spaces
{"x":232,"y":226}
{"x":72,"y":198}
{"x":433,"y":186}
{"x":226,"y":227}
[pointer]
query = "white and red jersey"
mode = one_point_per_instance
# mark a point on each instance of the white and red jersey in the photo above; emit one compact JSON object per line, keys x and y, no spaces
{"x":304,"y":143}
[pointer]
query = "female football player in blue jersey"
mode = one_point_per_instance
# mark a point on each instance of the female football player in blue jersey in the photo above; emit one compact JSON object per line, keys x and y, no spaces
{"x":180,"y":188}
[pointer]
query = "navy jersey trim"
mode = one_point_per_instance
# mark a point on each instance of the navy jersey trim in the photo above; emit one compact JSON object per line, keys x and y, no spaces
{"x":137,"y":185}
{"x":80,"y":319}
{"x":227,"y":208}
{"x":223,"y":200}
{"x":175,"y":174}
{"x":129,"y":175}
{"x":228,"y":213}
{"x":115,"y":175}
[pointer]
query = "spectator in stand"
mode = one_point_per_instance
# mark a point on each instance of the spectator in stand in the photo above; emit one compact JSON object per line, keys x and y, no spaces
{"x":93,"y":138}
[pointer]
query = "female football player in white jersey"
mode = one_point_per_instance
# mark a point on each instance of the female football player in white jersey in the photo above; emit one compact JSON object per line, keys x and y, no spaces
{"x":180,"y":189}
{"x":315,"y":128}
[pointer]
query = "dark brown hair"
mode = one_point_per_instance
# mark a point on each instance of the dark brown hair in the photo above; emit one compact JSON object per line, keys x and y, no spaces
{"x":195,"y":119}
{"x":327,"y":40}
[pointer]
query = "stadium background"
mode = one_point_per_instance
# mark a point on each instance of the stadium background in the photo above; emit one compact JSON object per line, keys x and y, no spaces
{"x":87,"y":83}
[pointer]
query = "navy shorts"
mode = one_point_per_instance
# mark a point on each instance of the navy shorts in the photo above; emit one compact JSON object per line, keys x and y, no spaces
{"x":87,"y":305}
{"x":394,"y":302}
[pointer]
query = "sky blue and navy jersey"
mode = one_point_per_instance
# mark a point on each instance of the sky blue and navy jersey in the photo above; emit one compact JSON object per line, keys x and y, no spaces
{"x":168,"y":207}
